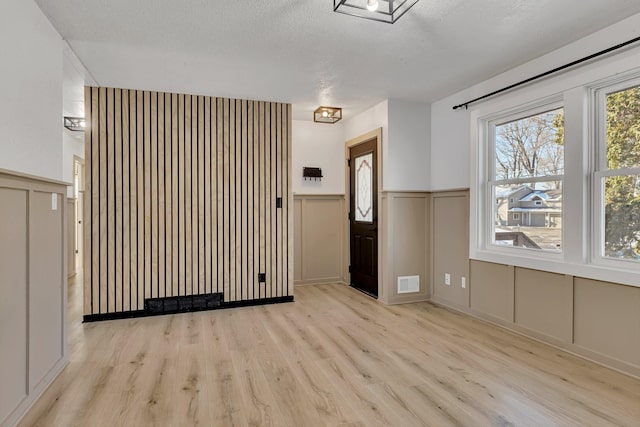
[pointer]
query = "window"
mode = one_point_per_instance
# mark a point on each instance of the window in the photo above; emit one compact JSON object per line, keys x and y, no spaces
{"x":617,"y":177}
{"x":560,"y":195}
{"x":526,"y":168}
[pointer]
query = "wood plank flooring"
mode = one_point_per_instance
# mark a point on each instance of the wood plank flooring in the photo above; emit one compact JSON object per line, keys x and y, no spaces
{"x":332,"y":358}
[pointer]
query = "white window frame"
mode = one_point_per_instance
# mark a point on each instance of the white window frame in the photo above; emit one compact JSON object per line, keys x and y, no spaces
{"x":487,"y":126}
{"x":575,"y":89}
{"x":601,"y":170}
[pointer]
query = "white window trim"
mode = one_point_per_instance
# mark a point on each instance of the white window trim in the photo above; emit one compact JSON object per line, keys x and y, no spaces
{"x":598,"y":141}
{"x":575,"y":89}
{"x":487,"y":126}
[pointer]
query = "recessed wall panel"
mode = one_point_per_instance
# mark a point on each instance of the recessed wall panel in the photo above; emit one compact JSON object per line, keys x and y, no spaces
{"x":607,"y":319}
{"x":544,"y":302}
{"x":13,"y":299}
{"x":492,"y":289}
{"x":450,"y":247}
{"x":45,"y":296}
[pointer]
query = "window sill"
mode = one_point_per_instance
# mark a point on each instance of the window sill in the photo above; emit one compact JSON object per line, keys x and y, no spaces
{"x":626,"y":277}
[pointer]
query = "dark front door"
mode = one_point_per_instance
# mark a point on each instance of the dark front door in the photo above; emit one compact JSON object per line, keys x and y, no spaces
{"x":363,"y":217}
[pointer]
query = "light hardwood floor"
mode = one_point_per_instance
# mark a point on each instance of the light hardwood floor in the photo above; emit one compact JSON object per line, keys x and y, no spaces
{"x":332,"y":358}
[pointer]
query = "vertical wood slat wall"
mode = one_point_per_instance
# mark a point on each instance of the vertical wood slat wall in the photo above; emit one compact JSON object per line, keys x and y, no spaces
{"x":182,"y":198}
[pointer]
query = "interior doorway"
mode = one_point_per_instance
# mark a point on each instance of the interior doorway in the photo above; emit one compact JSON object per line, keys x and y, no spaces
{"x":363,"y":217}
{"x":78,"y":194}
{"x":362,"y":240}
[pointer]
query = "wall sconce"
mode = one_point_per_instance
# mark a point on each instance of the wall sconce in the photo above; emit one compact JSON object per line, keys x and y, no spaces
{"x":327,"y":114}
{"x":388,"y":11}
{"x":75,"y":124}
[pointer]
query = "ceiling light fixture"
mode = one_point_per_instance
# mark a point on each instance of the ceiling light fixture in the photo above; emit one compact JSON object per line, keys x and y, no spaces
{"x":327,"y":114}
{"x":388,"y":11}
{"x":75,"y":124}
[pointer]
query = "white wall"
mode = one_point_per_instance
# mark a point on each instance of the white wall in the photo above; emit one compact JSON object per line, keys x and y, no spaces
{"x":407,"y":163}
{"x":72,"y":106}
{"x":318,"y":145}
{"x":459,"y":152}
{"x":373,"y":118}
{"x":451,"y":130}
{"x":322,"y":145}
{"x":31,"y":88}
{"x":405,"y":147}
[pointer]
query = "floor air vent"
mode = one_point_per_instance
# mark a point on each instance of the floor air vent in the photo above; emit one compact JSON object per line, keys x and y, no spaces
{"x":182,"y":304}
{"x":408,"y":284}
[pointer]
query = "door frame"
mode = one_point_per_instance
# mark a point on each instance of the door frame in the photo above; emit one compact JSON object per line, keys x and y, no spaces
{"x":374,"y":134}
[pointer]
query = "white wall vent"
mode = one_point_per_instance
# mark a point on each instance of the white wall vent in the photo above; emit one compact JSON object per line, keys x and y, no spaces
{"x":408,"y":284}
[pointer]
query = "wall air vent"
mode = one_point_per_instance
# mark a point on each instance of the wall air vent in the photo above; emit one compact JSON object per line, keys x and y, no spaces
{"x":408,"y":284}
{"x":182,"y":304}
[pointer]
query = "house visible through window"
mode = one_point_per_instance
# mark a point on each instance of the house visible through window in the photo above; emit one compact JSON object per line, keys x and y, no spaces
{"x":528,"y":169}
{"x":524,"y":188}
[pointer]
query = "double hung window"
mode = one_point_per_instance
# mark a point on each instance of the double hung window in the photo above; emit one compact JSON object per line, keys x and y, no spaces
{"x":617,"y":174}
{"x":526,"y":170}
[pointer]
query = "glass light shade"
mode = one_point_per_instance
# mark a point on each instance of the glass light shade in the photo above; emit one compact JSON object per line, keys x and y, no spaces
{"x":324,"y":114}
{"x":388,"y":11}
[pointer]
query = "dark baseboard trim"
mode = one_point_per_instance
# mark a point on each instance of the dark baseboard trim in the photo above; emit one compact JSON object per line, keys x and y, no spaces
{"x":87,"y":318}
{"x":252,"y":302}
{"x":113,"y":316}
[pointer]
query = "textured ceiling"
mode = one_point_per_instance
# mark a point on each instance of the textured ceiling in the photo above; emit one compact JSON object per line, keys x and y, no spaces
{"x":299,"y":51}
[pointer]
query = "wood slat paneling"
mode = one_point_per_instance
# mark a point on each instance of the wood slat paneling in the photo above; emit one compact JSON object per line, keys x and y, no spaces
{"x":126,"y":207}
{"x":183,"y":194}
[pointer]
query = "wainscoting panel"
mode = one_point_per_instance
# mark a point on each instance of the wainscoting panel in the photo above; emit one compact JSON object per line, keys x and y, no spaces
{"x":450,"y":246}
{"x":318,"y":238}
{"x":607,"y":320}
{"x":493,"y":289}
{"x":188,"y":195}
{"x":544,"y":302}
{"x":13,"y":299}
{"x":33,"y":278}
{"x":46,"y":302}
{"x":405,"y":250}
{"x":594,"y":319}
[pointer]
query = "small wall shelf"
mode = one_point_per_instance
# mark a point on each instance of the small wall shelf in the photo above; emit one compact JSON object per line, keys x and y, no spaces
{"x":312,"y":173}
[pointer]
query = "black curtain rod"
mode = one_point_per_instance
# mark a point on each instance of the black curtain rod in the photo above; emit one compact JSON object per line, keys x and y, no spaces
{"x":546,"y":73}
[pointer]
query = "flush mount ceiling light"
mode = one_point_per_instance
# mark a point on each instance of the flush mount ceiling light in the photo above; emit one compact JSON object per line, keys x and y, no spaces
{"x":388,"y":11}
{"x":75,"y":124}
{"x":327,"y":114}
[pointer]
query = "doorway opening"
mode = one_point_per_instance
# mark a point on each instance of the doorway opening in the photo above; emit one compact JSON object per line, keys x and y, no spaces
{"x":78,"y":212}
{"x":363,"y":179}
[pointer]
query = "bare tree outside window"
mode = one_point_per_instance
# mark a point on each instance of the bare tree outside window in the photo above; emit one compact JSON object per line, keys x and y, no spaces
{"x":529,"y":213}
{"x":531,"y":147}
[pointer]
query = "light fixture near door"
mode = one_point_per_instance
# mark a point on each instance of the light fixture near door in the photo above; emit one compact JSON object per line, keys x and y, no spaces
{"x":388,"y":11}
{"x":327,"y":114}
{"x":75,"y":124}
